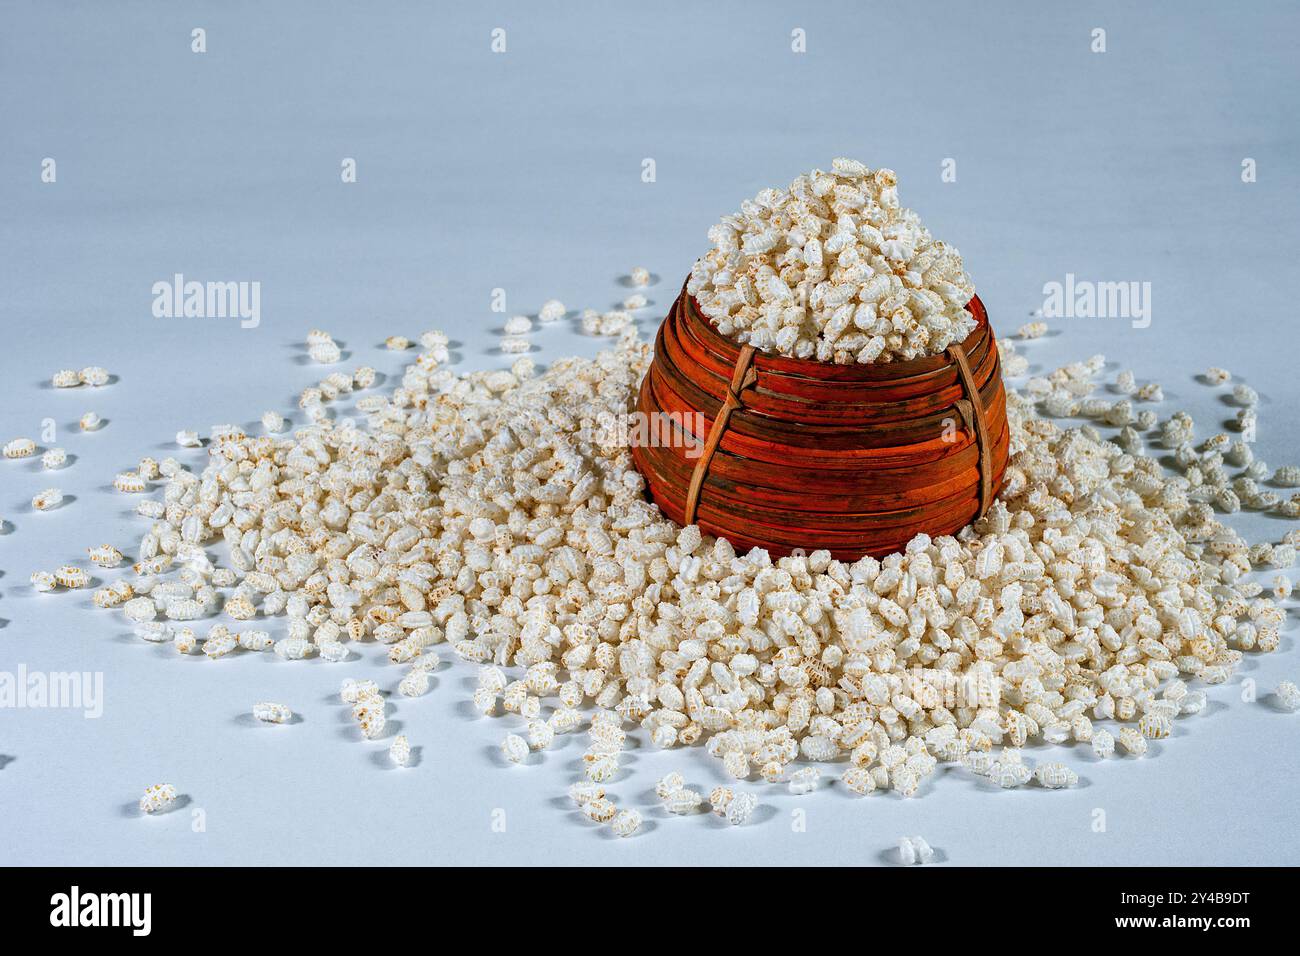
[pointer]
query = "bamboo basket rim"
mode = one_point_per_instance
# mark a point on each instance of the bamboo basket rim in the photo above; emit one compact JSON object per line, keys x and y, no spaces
{"x":896,"y":373}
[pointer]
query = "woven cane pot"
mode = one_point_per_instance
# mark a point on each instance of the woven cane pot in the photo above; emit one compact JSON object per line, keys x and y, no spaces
{"x":786,"y":454}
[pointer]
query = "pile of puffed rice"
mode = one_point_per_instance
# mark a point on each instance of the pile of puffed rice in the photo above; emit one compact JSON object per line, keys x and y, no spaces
{"x":499,"y":513}
{"x":833,"y":269}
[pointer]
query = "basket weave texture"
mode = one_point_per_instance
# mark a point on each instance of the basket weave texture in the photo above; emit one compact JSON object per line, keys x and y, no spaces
{"x":786,"y":454}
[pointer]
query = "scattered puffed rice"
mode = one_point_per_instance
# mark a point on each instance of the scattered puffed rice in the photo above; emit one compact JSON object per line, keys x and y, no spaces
{"x":640,"y":276}
{"x":90,"y":422}
{"x":54,"y":458}
{"x":400,"y":751}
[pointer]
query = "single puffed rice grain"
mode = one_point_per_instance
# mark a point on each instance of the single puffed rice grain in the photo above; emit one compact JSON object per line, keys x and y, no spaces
{"x":552,"y":310}
{"x":514,"y":748}
{"x":48,"y":499}
{"x":272,"y":713}
{"x":626,"y":823}
{"x":158,"y":797}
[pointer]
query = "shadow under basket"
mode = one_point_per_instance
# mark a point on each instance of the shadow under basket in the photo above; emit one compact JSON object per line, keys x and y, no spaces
{"x":786,"y":454}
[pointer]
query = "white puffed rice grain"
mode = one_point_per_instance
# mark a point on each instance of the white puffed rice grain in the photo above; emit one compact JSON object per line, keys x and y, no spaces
{"x":270,"y":712}
{"x":599,"y":810}
{"x":804,"y":780}
{"x":48,"y":499}
{"x":157,"y":797}
{"x":1288,"y":695}
{"x":552,"y":310}
{"x":515,"y":748}
{"x":90,"y":422}
{"x":1055,"y":776}
{"x":626,"y":823}
{"x":683,"y":801}
{"x":741,"y":808}
{"x":400,"y":751}
{"x":54,"y":458}
{"x":640,"y":276}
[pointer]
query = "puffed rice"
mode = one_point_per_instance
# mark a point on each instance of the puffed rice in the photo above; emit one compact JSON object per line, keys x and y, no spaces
{"x":1055,"y":776}
{"x":130,"y":482}
{"x":400,"y":751}
{"x":552,"y":310}
{"x":20,"y":448}
{"x":272,"y":713}
{"x":626,"y":822}
{"x":157,"y":797}
{"x":1288,"y":695}
{"x":804,"y":780}
{"x":640,"y":276}
{"x":474,"y":510}
{"x":833,"y":269}
{"x":48,"y":499}
{"x":599,"y":810}
{"x":515,"y":748}
{"x":90,"y":422}
{"x":44,"y":581}
{"x":740,"y":808}
{"x":54,"y":458}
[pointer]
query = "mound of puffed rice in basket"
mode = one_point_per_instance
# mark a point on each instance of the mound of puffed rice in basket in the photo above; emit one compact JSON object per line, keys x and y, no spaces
{"x":833,"y":269}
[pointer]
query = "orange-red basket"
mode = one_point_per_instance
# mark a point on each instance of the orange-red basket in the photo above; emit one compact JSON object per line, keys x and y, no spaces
{"x":787,"y":454}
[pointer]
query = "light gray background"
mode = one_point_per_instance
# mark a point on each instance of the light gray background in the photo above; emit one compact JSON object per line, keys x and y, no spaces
{"x":522,"y":171}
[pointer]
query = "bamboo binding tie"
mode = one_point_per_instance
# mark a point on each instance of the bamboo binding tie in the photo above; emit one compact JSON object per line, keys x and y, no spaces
{"x":742,"y":378}
{"x":972,"y":409}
